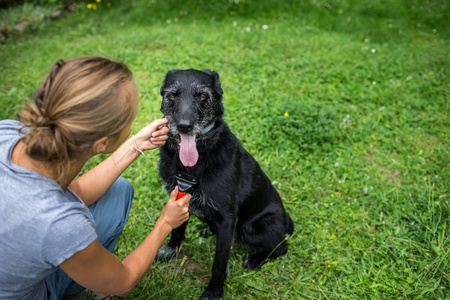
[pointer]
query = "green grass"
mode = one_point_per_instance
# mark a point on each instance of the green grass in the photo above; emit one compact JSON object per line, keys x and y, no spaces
{"x":344,"y":104}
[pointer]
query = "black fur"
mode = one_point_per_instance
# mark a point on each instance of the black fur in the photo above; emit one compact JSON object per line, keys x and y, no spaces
{"x":234,"y":196}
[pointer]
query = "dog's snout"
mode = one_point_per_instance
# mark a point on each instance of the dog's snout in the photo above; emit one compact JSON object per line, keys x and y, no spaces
{"x":185,"y":126}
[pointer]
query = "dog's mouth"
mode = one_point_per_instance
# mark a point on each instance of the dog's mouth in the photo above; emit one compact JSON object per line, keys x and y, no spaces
{"x":188,"y":153}
{"x":188,"y":150}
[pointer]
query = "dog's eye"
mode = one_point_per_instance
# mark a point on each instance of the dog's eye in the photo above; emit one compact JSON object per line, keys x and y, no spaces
{"x":203,"y":97}
{"x":171,"y":96}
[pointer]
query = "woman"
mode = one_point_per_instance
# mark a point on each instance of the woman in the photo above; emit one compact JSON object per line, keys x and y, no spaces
{"x":57,"y":234}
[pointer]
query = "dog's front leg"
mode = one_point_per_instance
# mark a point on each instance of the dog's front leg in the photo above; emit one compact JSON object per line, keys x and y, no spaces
{"x":225,"y":231}
{"x":167,"y":252}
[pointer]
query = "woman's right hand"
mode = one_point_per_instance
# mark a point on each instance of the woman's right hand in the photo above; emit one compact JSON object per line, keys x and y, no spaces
{"x":176,"y":212}
{"x":98,"y":270}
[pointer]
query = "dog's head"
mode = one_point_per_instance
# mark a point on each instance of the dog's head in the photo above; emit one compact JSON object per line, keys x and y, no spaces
{"x":191,"y":102}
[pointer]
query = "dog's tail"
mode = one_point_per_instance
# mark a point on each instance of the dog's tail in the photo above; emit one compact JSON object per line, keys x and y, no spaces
{"x":289,"y":224}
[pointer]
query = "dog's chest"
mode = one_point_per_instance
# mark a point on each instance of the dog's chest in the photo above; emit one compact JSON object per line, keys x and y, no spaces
{"x":203,"y":207}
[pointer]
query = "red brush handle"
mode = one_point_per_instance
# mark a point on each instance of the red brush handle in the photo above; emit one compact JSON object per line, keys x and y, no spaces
{"x":181,"y":195}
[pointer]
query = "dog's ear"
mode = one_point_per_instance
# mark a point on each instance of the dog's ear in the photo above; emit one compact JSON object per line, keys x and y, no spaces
{"x":215,"y":76}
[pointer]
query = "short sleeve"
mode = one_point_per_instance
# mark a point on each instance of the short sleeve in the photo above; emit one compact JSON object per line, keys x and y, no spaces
{"x":70,"y":232}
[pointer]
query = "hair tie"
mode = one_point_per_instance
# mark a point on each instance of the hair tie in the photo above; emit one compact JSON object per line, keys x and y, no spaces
{"x":42,"y":121}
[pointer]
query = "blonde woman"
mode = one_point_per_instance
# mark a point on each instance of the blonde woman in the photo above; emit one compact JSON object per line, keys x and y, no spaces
{"x":57,"y":234}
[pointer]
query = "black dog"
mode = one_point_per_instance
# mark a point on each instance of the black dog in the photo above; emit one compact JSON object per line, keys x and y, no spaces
{"x":233,"y":195}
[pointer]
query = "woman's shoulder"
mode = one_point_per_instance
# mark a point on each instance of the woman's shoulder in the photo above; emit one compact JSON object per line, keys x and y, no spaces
{"x":10,"y":134}
{"x":10,"y":128}
{"x":10,"y":124}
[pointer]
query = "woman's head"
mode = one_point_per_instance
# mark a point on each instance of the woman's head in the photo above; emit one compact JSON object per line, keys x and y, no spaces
{"x":80,"y":101}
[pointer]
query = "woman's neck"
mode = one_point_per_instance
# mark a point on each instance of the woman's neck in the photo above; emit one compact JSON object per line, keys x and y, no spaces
{"x":20,"y":158}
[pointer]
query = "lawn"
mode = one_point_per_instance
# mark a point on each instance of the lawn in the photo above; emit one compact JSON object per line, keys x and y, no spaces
{"x":343,"y":103}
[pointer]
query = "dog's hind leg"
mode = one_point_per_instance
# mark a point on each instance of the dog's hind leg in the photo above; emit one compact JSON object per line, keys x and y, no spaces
{"x":266,"y":238}
{"x":224,"y":240}
{"x":167,"y":252}
{"x":255,"y":261}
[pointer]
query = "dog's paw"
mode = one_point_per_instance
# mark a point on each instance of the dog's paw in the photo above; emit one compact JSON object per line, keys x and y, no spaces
{"x":165,"y":253}
{"x":211,"y":294}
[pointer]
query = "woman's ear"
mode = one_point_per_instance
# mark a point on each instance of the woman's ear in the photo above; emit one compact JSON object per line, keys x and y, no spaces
{"x":100,"y":145}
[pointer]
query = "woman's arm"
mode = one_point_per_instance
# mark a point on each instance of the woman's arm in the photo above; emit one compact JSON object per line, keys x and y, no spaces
{"x":92,"y":185}
{"x":96,"y":269}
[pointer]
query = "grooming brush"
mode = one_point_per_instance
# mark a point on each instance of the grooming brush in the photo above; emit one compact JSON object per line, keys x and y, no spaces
{"x":185,"y":182}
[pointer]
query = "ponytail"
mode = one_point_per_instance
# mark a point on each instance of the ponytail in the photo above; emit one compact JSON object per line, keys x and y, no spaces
{"x":80,"y":101}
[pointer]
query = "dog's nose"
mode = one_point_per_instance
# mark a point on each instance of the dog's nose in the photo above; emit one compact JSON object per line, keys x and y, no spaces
{"x":185,"y":126}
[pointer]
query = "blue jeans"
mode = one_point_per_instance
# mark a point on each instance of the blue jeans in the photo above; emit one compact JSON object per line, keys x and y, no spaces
{"x":110,"y":214}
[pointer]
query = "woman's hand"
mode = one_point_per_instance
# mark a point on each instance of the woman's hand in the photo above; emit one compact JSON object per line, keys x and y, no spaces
{"x":98,"y":270}
{"x":176,"y":212}
{"x":152,"y":136}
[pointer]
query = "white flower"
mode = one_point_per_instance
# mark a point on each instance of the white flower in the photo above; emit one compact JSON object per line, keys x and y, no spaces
{"x":265,"y":27}
{"x":277,"y":184}
{"x":373,"y":50}
{"x":346,"y":122}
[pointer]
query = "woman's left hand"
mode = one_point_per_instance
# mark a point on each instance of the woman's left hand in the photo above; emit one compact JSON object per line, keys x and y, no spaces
{"x":152,"y":136}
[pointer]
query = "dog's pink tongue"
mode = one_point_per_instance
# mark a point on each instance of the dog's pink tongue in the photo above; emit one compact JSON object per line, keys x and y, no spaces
{"x":188,"y":150}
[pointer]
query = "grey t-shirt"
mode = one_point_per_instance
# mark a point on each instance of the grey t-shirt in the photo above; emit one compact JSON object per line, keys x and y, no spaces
{"x":40,"y":225}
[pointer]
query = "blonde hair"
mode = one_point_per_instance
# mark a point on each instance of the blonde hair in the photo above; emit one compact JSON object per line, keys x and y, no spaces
{"x":80,"y":101}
